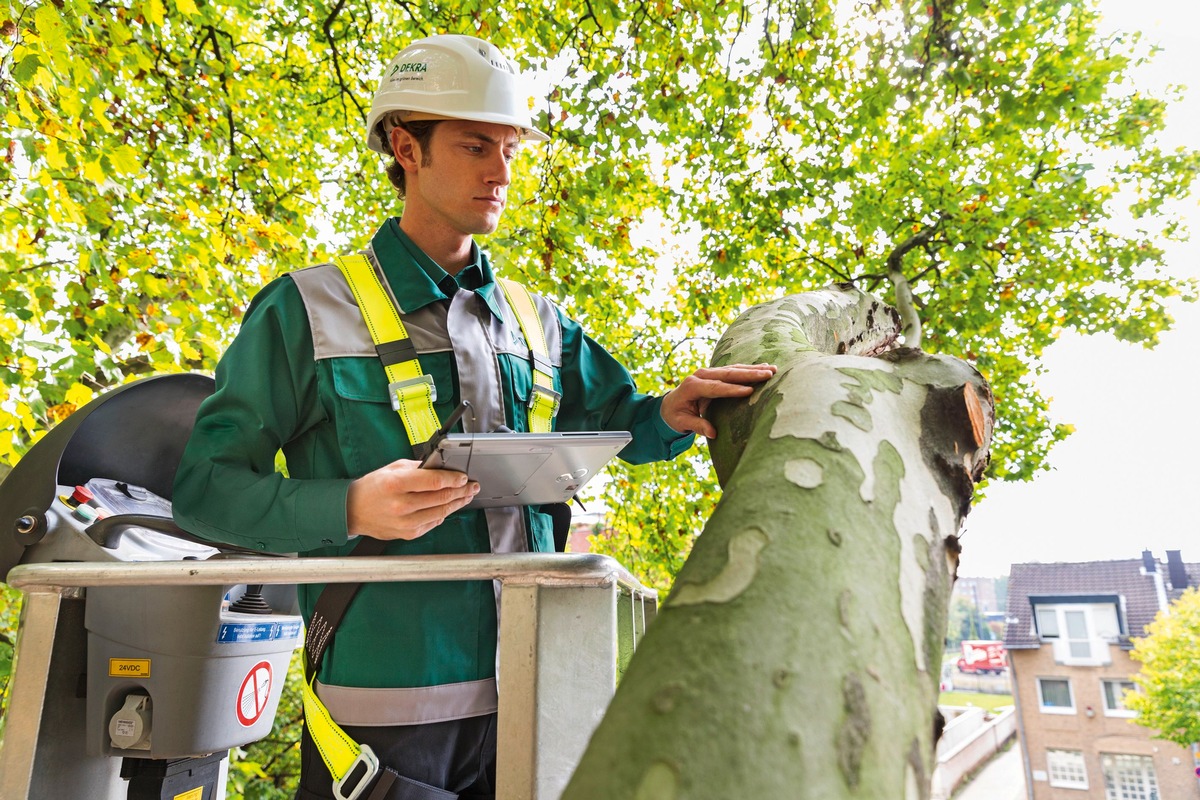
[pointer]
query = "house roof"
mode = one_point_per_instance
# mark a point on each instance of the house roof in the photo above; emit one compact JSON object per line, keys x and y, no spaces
{"x":1126,"y":579}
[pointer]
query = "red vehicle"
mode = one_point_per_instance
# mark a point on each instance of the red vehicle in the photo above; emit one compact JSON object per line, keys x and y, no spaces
{"x":983,"y":658}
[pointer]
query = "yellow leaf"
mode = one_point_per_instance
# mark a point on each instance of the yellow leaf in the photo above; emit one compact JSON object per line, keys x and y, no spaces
{"x":26,"y":416}
{"x":120,"y":34}
{"x":25,"y":110}
{"x":49,"y":26}
{"x":55,"y":157}
{"x":44,"y":79}
{"x":71,"y":104}
{"x":51,"y":127}
{"x":124,"y":160}
{"x":187,"y":7}
{"x":65,"y":207}
{"x":8,"y":450}
{"x":217,"y":243}
{"x":99,"y":108}
{"x":78,"y":395}
{"x":154,"y":11}
{"x":93,"y":171}
{"x":189,"y":352}
{"x":101,"y":345}
{"x":82,"y":72}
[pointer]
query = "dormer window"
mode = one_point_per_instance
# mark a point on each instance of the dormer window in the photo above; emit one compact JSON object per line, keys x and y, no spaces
{"x":1080,"y":627}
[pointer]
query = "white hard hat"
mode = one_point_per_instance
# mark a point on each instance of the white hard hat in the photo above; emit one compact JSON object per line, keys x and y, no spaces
{"x":451,"y":76}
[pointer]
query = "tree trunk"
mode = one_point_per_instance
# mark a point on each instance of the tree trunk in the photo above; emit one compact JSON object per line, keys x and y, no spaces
{"x":799,"y":653}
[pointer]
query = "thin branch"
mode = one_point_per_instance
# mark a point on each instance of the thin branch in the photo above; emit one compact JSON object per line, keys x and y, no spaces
{"x":327,"y":27}
{"x":904,"y":298}
{"x":844,"y":277}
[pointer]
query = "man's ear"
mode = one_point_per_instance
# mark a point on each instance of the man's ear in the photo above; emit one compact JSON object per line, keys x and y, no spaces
{"x":405,"y":149}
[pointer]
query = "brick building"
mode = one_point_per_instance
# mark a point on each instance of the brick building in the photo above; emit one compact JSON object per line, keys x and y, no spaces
{"x":1068,"y":639}
{"x":980,"y":592}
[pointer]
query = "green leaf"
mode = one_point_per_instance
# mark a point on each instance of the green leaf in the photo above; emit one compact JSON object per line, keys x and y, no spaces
{"x":24,"y":70}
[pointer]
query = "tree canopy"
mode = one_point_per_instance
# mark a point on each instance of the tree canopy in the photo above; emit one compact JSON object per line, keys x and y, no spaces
{"x":984,"y":166}
{"x":1169,"y":680}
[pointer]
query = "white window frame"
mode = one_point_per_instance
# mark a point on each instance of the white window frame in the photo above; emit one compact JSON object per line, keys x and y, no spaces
{"x":1084,"y":641}
{"x":1059,"y":781}
{"x":1088,"y":650}
{"x":1045,"y":709}
{"x":1121,"y":711}
{"x":1040,"y":613}
{"x":1149,"y":775}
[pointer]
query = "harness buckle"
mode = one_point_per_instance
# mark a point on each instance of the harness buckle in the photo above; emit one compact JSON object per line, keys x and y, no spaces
{"x":547,"y":395}
{"x":370,"y":768}
{"x":395,"y":387}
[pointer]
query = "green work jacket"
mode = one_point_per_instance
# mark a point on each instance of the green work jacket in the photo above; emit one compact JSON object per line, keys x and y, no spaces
{"x":290,"y":382}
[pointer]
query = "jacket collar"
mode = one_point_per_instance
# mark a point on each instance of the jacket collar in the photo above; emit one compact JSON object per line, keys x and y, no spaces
{"x":417,"y":280}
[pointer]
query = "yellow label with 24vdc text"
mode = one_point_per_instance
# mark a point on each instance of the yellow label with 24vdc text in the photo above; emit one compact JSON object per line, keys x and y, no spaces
{"x":129,"y":668}
{"x":191,"y":794}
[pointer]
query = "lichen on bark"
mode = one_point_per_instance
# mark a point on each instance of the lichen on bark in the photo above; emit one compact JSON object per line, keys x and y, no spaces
{"x":805,"y":614}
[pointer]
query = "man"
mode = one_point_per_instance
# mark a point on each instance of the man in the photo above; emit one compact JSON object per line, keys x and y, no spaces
{"x":411,"y":669}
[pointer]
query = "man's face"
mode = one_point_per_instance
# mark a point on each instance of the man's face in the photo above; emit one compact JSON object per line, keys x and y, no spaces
{"x":462,"y":180}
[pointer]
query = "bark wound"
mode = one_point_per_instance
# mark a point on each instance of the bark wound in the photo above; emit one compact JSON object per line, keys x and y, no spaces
{"x":661,"y":782}
{"x":953,"y":551}
{"x":665,"y":699}
{"x":804,"y":472}
{"x":844,"y":601}
{"x":856,"y":730}
{"x":950,"y":445}
{"x":733,"y":579}
{"x":975,"y":412}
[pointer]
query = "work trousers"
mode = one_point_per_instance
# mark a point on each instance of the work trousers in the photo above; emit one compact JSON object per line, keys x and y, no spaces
{"x":436,"y":761}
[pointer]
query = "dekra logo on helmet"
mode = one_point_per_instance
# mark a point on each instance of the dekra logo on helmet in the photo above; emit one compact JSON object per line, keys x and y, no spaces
{"x":409,"y":66}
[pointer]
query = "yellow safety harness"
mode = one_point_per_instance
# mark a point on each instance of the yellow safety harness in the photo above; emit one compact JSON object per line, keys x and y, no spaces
{"x":413,"y":394}
{"x":543,"y":400}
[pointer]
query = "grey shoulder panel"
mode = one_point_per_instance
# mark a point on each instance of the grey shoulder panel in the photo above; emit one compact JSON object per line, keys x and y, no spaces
{"x":514,"y":342}
{"x":337,"y":324}
{"x":333,"y":315}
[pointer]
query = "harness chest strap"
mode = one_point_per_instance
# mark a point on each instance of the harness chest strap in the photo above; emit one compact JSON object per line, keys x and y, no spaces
{"x":543,"y":400}
{"x":412,"y":392}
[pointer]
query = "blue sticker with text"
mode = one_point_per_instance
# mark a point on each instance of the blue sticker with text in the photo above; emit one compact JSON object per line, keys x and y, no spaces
{"x":231,"y":632}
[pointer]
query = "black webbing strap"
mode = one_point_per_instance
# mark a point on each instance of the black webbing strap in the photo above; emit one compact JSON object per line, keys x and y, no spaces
{"x":396,"y":352}
{"x":331,"y":607}
{"x":384,"y":785}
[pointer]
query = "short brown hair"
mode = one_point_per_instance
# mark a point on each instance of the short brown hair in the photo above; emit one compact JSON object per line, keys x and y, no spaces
{"x":422,"y":131}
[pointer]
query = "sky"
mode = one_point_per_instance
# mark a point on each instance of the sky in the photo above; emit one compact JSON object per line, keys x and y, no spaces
{"x":1128,"y":479}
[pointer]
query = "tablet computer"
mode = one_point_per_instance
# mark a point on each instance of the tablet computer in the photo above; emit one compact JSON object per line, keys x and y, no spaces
{"x":526,"y":469}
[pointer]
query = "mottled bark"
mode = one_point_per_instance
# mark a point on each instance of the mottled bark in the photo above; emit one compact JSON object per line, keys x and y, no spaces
{"x":798,"y":655}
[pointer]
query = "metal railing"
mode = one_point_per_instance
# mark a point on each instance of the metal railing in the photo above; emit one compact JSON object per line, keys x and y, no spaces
{"x":568,"y":623}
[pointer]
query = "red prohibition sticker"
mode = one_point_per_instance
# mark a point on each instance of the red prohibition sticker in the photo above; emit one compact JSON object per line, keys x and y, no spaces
{"x":253,"y":694}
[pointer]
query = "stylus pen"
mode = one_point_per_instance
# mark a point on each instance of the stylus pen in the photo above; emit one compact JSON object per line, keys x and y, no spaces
{"x":454,"y":417}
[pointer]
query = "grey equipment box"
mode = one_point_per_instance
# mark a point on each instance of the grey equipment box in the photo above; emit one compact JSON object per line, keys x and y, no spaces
{"x":171,"y":671}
